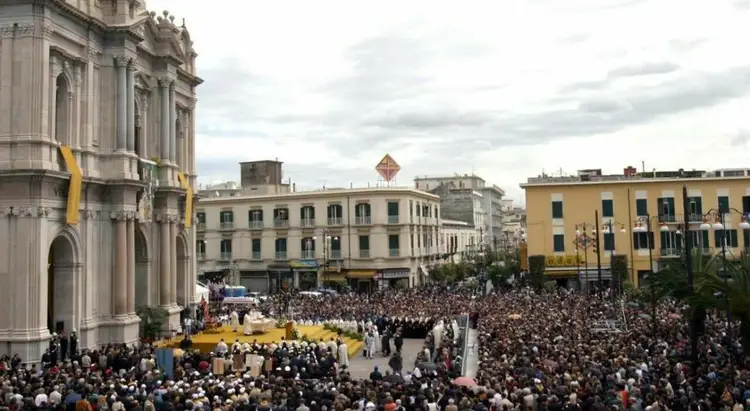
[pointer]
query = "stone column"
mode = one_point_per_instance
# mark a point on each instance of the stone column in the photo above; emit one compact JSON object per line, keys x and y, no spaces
{"x":131,"y":107}
{"x":55,"y":67}
{"x":131,"y":265}
{"x":165,"y":270}
{"x":172,"y":125}
{"x":173,"y":262}
{"x":164,"y":141}
{"x":121,"y":63}
{"x":75,"y":118}
{"x":119,"y":290}
{"x":143,"y":128}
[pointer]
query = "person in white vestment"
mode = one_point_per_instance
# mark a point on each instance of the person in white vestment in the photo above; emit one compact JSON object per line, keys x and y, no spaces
{"x":378,"y":342}
{"x":343,"y":354}
{"x":370,"y":344}
{"x":246,"y":324}
{"x":456,"y":330}
{"x":235,"y":321}
{"x":437,"y":334}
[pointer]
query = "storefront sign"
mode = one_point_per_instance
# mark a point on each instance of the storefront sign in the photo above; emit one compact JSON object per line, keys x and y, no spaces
{"x":304,"y":264}
{"x":564,"y":260}
{"x":395,"y":273}
{"x":218,"y":267}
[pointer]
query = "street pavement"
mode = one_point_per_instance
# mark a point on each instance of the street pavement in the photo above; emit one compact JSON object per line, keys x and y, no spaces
{"x":360,"y":367}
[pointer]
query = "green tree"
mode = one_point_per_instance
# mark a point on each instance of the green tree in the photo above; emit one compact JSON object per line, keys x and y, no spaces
{"x":619,"y":267}
{"x":537,"y":264}
{"x":152,"y":319}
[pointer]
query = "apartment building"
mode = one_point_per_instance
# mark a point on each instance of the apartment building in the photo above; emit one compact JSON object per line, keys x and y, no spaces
{"x":369,"y":237}
{"x":514,"y":226}
{"x":470,"y":199}
{"x":457,"y":239}
{"x":640,"y":215}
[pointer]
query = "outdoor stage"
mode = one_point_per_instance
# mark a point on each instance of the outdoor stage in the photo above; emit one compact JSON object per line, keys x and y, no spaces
{"x":207,"y":341}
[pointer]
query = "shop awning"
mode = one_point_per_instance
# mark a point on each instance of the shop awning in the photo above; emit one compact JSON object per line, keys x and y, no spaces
{"x":361,"y":274}
{"x":337,"y":277}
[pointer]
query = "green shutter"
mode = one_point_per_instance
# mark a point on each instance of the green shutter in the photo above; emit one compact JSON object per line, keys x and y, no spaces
{"x":336,"y":244}
{"x":392,"y":208}
{"x":393,"y":242}
{"x":364,"y":242}
{"x":733,"y":240}
{"x":663,"y":239}
{"x":641,"y":207}
{"x":723,"y":204}
{"x":558,"y":242}
{"x":745,"y":205}
{"x":678,"y":241}
{"x":636,"y":241}
{"x":557,"y":209}
{"x":718,"y":235}
{"x":608,"y":208}
{"x":704,"y":239}
{"x":746,"y":238}
{"x":330,"y":211}
{"x":609,"y":241}
{"x":256,"y":245}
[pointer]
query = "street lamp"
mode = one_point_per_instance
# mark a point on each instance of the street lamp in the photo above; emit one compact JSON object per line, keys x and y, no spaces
{"x":327,"y":238}
{"x":640,"y":228}
{"x":609,"y":229}
{"x":581,"y":233}
{"x":719,"y":224}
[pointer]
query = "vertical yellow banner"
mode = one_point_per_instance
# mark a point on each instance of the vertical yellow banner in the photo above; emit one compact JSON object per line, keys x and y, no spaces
{"x":74,"y":188}
{"x":188,"y":199}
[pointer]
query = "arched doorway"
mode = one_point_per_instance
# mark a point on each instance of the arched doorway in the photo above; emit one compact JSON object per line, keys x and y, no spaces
{"x":61,"y":285}
{"x":182,"y":262}
{"x":142,"y":262}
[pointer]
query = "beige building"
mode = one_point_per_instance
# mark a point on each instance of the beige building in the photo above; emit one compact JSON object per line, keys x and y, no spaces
{"x":369,"y":238}
{"x":514,"y":225}
{"x":97,"y":111}
{"x":457,"y":240}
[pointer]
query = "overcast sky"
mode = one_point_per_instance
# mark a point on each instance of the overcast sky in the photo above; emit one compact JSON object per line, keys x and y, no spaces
{"x":504,"y":88}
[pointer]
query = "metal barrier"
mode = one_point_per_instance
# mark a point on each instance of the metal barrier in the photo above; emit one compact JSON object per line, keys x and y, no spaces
{"x":463,"y":324}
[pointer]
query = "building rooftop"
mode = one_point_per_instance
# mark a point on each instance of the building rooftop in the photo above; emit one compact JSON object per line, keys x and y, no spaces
{"x":456,"y":176}
{"x":338,"y":192}
{"x":631,"y":175}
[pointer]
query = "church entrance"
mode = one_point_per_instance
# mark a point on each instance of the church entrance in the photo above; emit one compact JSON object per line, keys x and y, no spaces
{"x":144,"y":290}
{"x":61,"y":268}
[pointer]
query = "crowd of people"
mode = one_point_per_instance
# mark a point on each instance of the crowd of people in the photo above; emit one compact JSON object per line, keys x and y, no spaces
{"x":535,"y":352}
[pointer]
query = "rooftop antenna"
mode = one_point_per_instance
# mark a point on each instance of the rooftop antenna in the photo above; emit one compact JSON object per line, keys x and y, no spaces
{"x":643,"y":166}
{"x":183,"y":22}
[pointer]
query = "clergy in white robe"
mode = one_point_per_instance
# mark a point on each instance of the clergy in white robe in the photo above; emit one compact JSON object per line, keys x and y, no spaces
{"x":235,"y":321}
{"x":343,"y":354}
{"x":370,"y":344}
{"x":248,"y":328}
{"x":378,"y":340}
{"x":437,"y":333}
{"x":456,"y":330}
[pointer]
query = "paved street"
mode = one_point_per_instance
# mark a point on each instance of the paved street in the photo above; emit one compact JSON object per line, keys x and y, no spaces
{"x":361,"y":367}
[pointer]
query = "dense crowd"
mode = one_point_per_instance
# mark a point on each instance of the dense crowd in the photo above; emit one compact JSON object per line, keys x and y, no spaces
{"x":535,"y":352}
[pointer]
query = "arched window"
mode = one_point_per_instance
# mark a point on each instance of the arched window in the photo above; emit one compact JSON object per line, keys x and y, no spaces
{"x":62,"y":109}
{"x":180,"y":144}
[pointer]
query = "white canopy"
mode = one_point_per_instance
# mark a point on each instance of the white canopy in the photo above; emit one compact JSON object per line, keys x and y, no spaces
{"x":201,"y":292}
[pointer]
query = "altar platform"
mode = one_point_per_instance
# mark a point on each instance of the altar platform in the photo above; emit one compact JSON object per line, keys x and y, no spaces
{"x":207,"y":341}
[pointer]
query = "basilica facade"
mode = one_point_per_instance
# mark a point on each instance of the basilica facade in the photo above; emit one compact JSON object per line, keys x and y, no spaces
{"x":97,"y":119}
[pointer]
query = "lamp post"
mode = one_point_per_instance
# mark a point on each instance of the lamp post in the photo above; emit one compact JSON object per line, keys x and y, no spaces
{"x":327,"y":238}
{"x":609,"y":229}
{"x":639,"y":228}
{"x":718,"y":217}
{"x":581,"y":233}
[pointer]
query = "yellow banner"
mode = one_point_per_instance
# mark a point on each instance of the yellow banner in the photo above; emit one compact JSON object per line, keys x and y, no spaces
{"x":524,"y":256}
{"x":563,"y":260}
{"x":188,"y":199}
{"x":74,"y":188}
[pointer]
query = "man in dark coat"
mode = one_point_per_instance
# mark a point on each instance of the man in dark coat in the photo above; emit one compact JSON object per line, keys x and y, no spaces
{"x":64,"y":346}
{"x":73,"y":342}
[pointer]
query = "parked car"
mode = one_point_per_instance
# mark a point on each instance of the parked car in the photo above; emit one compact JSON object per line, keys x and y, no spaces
{"x":310,"y":294}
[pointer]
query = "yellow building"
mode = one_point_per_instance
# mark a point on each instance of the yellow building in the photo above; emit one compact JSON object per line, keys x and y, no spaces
{"x":561,"y":218}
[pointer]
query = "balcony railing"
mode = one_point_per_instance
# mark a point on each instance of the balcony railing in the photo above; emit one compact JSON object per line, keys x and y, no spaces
{"x":256,"y":256}
{"x":278,"y":223}
{"x":669,"y":218}
{"x":307,"y":222}
{"x":256,"y":224}
{"x":200,"y":226}
{"x":308,"y":254}
{"x":695,"y":217}
{"x":671,"y":252}
{"x":335,"y":254}
{"x":392,"y":219}
{"x":334,"y":221}
{"x":394,"y":252}
{"x":225,"y":256}
{"x":201,"y":256}
{"x":280,"y":255}
{"x":226,"y":225}
{"x":364,"y":253}
{"x":363,"y":220}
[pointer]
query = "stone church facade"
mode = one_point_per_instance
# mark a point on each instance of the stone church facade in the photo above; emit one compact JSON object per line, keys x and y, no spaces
{"x":97,"y":161}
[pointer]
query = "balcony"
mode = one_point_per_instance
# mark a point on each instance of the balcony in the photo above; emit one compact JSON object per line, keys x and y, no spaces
{"x":695,"y":217}
{"x":278,"y":223}
{"x":280,"y":255}
{"x":225,"y":256}
{"x":363,"y":220}
{"x":256,"y":224}
{"x":364,"y":253}
{"x":307,"y":222}
{"x":200,"y":226}
{"x":255,"y":256}
{"x":669,"y":218}
{"x":394,"y":252}
{"x":308,"y":254}
{"x":335,"y":254}
{"x":335,"y":221}
{"x":392,"y":219}
{"x":226,"y":225}
{"x":201,"y":256}
{"x":671,"y":252}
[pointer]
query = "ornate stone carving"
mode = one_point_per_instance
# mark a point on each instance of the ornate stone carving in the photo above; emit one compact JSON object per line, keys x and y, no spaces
{"x":71,"y":95}
{"x":43,"y":212}
{"x":191,"y":103}
{"x":25,"y":30}
{"x":168,"y":218}
{"x":93,"y":53}
{"x":46,"y":30}
{"x":138,"y":121}
{"x":89,"y":214}
{"x":165,"y":81}
{"x":122,"y":61}
{"x":6,"y":212}
{"x":131,"y":66}
{"x":144,"y":102}
{"x":6,"y":32}
{"x":121,"y":215}
{"x":77,"y":74}
{"x":24,"y":211}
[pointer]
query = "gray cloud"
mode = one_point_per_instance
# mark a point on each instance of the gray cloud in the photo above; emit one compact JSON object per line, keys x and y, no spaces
{"x":741,"y":139}
{"x":644,"y":70}
{"x":742,"y":4}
